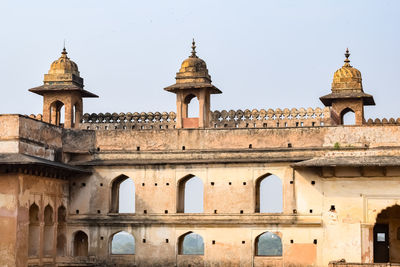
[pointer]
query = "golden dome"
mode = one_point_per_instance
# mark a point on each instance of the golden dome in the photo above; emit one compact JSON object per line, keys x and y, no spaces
{"x":193,"y":69}
{"x":64,"y":65}
{"x":347,"y":77}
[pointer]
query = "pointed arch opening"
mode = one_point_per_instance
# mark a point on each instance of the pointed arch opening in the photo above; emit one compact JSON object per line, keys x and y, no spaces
{"x":385,"y":231}
{"x":122,"y":243}
{"x":268,"y":244}
{"x":81,"y":244}
{"x":269,"y":194}
{"x":61,"y":231}
{"x":76,"y":114}
{"x":34,"y":231}
{"x":57,"y":113}
{"x":190,"y":195}
{"x":192,"y":106}
{"x":190,"y":111}
{"x":348,"y":117}
{"x":190,"y":244}
{"x":48,"y":231}
{"x":123,"y":195}
{"x":61,"y":215}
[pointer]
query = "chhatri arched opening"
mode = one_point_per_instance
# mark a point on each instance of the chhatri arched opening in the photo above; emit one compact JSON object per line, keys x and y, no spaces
{"x":269,"y":194}
{"x":348,"y":117}
{"x":76,"y":114}
{"x":122,"y":243}
{"x":81,"y":244}
{"x":122,"y":195}
{"x":190,"y":195}
{"x":190,"y":111}
{"x":57,"y":112}
{"x":386,"y":242}
{"x":268,"y":244}
{"x":48,"y":231}
{"x":190,"y":244}
{"x":34,"y":231}
{"x":191,"y":106}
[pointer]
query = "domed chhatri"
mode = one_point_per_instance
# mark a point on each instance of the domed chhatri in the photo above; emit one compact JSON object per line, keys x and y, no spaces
{"x":193,"y":74}
{"x":64,"y":65}
{"x":63,"y":86}
{"x":347,"y":77}
{"x":347,"y":84}
{"x":63,"y":76}
{"x":347,"y":94}
{"x":63,"y":70}
{"x":193,"y":69}
{"x":192,"y":81}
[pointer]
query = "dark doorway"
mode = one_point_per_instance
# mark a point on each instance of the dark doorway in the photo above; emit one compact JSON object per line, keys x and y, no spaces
{"x":381,"y":242}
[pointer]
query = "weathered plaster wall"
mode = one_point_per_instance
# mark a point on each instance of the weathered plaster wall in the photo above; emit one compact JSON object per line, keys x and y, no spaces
{"x":20,"y":134}
{"x":18,"y":193}
{"x":9,"y":220}
{"x":306,"y":137}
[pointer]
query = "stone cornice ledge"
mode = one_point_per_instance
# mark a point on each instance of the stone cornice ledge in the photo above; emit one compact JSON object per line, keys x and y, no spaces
{"x":209,"y":220}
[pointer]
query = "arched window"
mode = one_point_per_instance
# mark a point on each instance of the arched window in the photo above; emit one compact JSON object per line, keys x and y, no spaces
{"x":348,"y":117}
{"x":123,"y":243}
{"x":80,"y":244}
{"x":191,"y":106}
{"x":190,"y":244}
{"x":190,"y":195}
{"x":268,"y":244}
{"x":34,"y":231}
{"x":123,"y":195}
{"x":61,"y":215}
{"x":269,"y":194}
{"x":48,"y":231}
{"x":61,"y":240}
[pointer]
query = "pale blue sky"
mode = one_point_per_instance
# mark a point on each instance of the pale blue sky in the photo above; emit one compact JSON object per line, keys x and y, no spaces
{"x":261,"y":54}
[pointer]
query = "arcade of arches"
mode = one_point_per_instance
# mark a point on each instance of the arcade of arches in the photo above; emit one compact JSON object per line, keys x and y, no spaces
{"x":267,"y":187}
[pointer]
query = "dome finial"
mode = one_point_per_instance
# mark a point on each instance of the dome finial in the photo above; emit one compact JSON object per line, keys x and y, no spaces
{"x":193,"y":55}
{"x":64,"y":52}
{"x":347,"y":60}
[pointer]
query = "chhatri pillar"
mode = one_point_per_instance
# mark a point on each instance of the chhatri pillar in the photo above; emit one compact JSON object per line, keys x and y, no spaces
{"x":63,"y":86}
{"x":347,"y":94}
{"x":193,"y":80}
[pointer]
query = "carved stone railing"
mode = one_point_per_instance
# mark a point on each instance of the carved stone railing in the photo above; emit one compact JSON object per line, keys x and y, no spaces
{"x":218,"y":119}
{"x":271,"y":118}
{"x":132,"y":121}
{"x":383,"y":121}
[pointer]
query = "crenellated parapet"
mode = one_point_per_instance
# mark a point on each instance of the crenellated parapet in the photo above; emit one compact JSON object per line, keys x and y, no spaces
{"x":38,"y":117}
{"x":378,"y":121}
{"x":133,"y":121}
{"x":271,"y":118}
